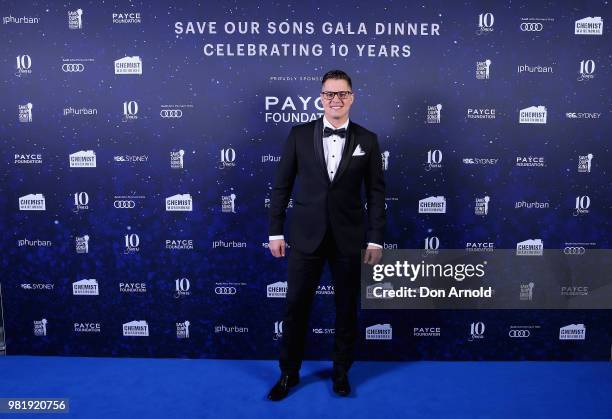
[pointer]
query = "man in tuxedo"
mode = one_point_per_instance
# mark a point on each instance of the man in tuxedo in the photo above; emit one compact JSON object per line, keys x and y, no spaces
{"x":328,"y":161}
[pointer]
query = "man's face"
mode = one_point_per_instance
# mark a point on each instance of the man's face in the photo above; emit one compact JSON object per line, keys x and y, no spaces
{"x":336,"y":109}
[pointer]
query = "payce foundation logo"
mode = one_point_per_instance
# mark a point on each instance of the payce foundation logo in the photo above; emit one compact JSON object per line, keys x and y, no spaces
{"x":127,"y":18}
{"x":481,"y":113}
{"x":87,"y":327}
{"x":34,"y":158}
{"x":292,"y":109}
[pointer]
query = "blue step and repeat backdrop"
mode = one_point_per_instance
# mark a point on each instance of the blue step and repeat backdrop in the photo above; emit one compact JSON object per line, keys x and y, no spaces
{"x":140,"y":142}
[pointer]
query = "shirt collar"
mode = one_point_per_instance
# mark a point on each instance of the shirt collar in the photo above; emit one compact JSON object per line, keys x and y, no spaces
{"x":326,"y":123}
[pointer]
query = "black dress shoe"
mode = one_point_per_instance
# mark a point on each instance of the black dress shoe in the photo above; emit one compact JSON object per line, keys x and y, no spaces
{"x":281,"y":388}
{"x":341,"y":384}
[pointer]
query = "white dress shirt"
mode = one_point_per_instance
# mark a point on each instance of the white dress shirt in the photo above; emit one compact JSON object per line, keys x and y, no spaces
{"x":333,"y":146}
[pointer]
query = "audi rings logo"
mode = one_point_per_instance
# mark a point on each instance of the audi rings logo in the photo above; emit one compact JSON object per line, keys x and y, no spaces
{"x":531,"y":27}
{"x":73,"y":68}
{"x":225,"y":290}
{"x":574,"y":250}
{"x":124,"y":204}
{"x":171,"y":113}
{"x":519,"y":333}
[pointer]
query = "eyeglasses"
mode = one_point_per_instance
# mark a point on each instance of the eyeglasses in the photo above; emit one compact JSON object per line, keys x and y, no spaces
{"x":341,"y":95}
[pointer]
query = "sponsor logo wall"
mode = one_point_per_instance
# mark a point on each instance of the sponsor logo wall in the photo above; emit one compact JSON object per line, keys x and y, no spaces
{"x":140,"y":144}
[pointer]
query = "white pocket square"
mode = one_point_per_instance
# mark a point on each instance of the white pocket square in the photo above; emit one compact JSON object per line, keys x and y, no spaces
{"x":358,"y":151}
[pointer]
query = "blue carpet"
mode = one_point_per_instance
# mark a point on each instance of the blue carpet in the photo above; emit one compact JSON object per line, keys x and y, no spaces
{"x":204,"y":388}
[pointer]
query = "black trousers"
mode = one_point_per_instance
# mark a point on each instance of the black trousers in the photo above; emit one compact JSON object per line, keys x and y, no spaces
{"x":304,"y":273}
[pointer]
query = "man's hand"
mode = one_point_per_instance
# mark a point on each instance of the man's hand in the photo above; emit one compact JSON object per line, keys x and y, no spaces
{"x":373,"y":255}
{"x":277,"y":248}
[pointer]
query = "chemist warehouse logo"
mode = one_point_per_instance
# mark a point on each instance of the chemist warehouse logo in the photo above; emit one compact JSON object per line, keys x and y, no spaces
{"x":572,"y":332}
{"x":83,"y":158}
{"x":589,"y":26}
{"x":179,"y":202}
{"x":85,"y":287}
{"x":533,"y":115}
{"x":379,"y":332}
{"x":128,"y":65}
{"x":136,"y":328}
{"x":292,"y":109}
{"x":32,"y":202}
{"x":277,"y":290}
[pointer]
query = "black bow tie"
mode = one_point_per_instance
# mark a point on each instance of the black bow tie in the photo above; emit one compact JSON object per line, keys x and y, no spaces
{"x":339,"y":132}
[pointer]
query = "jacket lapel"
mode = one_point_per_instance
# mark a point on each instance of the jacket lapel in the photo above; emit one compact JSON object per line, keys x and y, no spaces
{"x":318,"y":147}
{"x":347,"y":153}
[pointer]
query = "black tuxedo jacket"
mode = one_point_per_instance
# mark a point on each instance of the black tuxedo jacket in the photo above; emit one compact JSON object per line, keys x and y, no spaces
{"x":319,"y":202}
